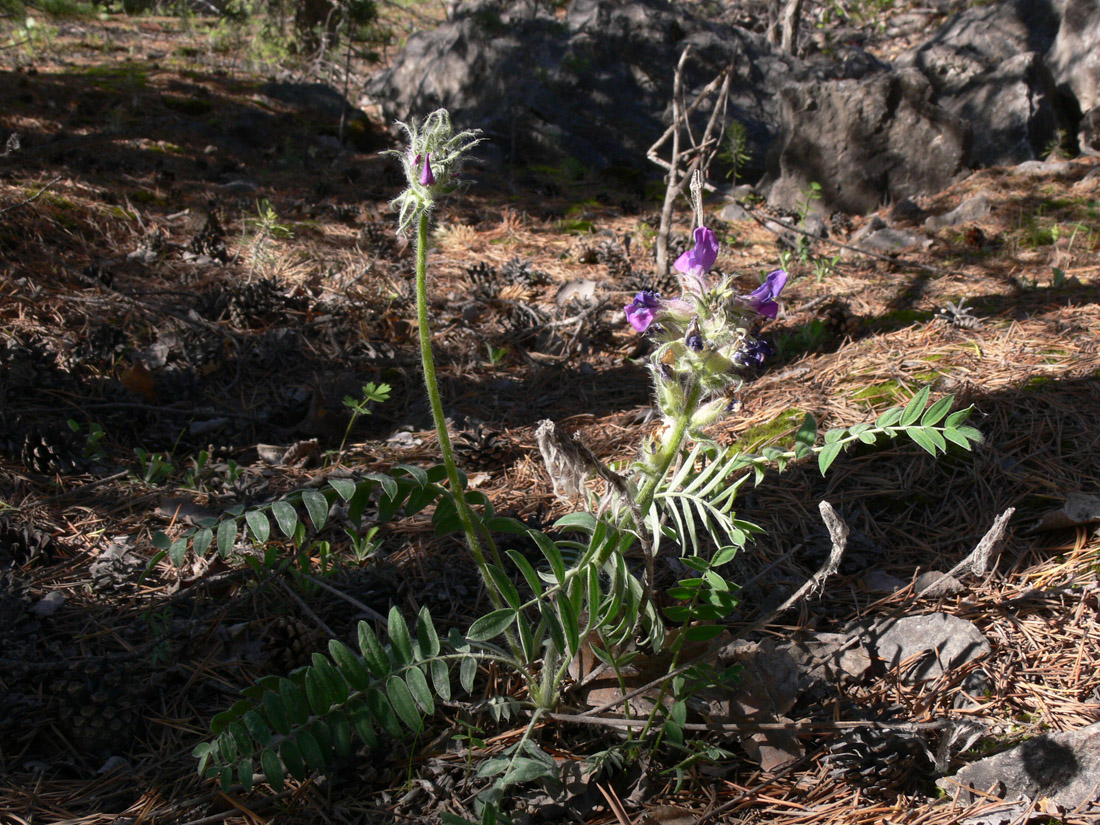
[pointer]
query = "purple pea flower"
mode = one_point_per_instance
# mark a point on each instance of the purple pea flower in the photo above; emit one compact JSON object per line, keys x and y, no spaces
{"x":426,"y":176}
{"x":697,"y":261}
{"x":762,"y":299}
{"x":643,"y":309}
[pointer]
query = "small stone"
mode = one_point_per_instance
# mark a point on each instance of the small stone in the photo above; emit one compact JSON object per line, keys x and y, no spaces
{"x":879,"y":581}
{"x":972,"y":209}
{"x":1062,"y":767}
{"x":946,"y":641}
{"x":934,"y":584}
{"x":49,"y":604}
{"x":888,"y":241}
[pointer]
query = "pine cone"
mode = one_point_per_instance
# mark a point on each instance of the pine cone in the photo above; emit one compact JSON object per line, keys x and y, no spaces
{"x":290,"y":642}
{"x":482,"y":449}
{"x":518,"y":271}
{"x":99,"y":704}
{"x":840,"y":320}
{"x":210,"y":241}
{"x":879,"y":758}
{"x":48,"y":451}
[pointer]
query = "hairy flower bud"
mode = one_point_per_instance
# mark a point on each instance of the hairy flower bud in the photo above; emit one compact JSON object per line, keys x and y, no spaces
{"x":431,"y":164}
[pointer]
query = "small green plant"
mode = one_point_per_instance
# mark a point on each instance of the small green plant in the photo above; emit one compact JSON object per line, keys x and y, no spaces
{"x":372,"y":394}
{"x":153,"y":468}
{"x":496,"y":354}
{"x":824,"y":267}
{"x":735,"y":149}
{"x":366,"y":545}
{"x":94,"y":433}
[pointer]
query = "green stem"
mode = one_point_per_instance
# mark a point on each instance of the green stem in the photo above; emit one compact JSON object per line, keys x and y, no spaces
{"x":669,"y":449}
{"x":424,"y":328}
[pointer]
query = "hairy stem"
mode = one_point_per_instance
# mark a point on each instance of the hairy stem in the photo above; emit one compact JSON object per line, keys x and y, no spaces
{"x":671,"y":442}
{"x":424,"y":328}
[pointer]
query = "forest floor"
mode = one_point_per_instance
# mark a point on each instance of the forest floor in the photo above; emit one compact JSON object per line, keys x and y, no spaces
{"x":195,"y":272}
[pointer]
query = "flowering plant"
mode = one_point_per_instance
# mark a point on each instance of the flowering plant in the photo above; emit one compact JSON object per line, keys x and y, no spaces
{"x":586,"y":595}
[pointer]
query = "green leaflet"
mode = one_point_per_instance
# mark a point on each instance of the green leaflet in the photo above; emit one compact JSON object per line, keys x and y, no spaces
{"x":273,"y":769}
{"x":400,"y":640}
{"x":353,"y":668}
{"x":426,"y":635}
{"x":317,"y":506}
{"x":402,"y":700}
{"x":292,"y":760}
{"x":418,"y":686}
{"x":491,"y":625}
{"x":285,"y":516}
{"x":374,"y":654}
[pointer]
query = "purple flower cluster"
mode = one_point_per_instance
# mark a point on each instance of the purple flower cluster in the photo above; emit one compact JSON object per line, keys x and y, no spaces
{"x":704,"y":337}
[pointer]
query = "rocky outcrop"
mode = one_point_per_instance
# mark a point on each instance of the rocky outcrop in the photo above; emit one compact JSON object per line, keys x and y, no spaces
{"x":864,"y":141}
{"x":1074,"y":59}
{"x":594,"y":86}
{"x":997,"y":84}
{"x":986,"y":65}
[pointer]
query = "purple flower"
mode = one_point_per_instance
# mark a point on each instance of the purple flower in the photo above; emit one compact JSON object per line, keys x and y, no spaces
{"x":697,"y":261}
{"x":426,"y":176}
{"x":762,"y":299}
{"x":643,"y":309}
{"x":754,"y":353}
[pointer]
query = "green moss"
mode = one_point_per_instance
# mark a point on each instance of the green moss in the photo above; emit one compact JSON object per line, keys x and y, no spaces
{"x":577,"y":226}
{"x":147,"y":197}
{"x":1037,"y":382}
{"x":928,"y":376}
{"x":779,"y":431}
{"x":888,"y":391}
{"x":107,"y":77}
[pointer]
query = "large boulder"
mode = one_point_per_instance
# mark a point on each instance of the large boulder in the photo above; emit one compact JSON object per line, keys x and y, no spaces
{"x":1074,"y":59}
{"x":594,"y":86}
{"x":864,"y":141}
{"x":986,"y":66}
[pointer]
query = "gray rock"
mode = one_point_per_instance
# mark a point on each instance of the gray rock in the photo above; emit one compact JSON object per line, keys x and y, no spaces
{"x":906,"y":210}
{"x":594,"y":86}
{"x":1011,"y":111}
{"x":1074,"y":57}
{"x":935,"y":584}
{"x":1088,"y":135}
{"x":890,"y":241}
{"x":1043,"y":168}
{"x":865,"y":141}
{"x":831,"y":657}
{"x":815,"y":226}
{"x":979,"y":39}
{"x":734,"y":213}
{"x":317,"y":97}
{"x":947,"y":641}
{"x":1061,"y":767}
{"x":971,"y":209}
{"x":986,"y":66}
